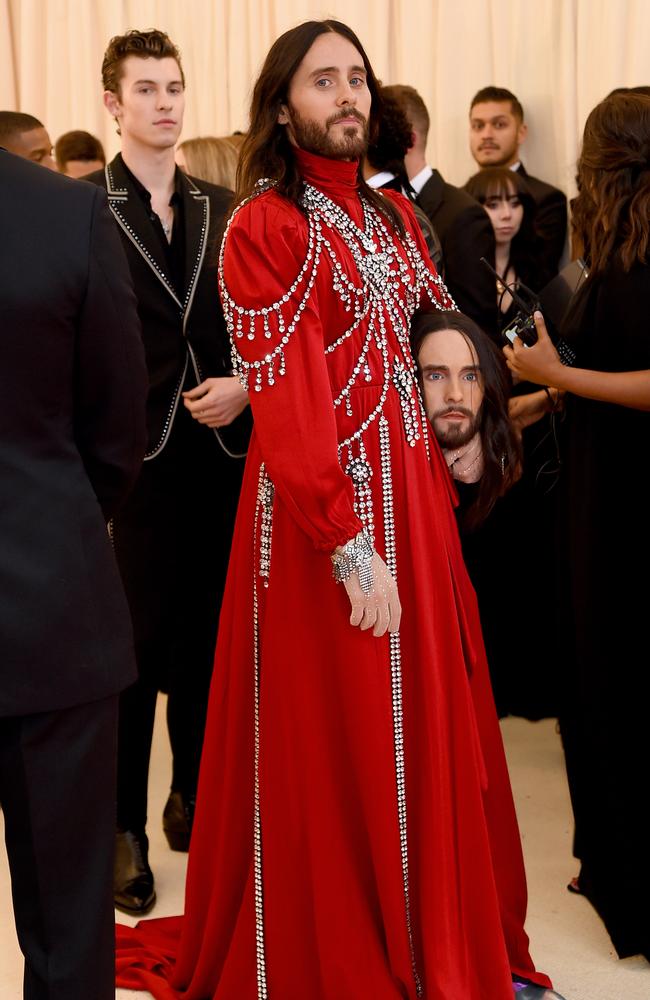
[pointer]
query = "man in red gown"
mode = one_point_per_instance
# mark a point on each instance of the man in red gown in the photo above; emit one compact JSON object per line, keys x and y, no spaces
{"x":355,"y":837}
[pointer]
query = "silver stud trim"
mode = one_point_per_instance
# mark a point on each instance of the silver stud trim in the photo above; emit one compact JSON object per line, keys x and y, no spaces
{"x":262,"y":990}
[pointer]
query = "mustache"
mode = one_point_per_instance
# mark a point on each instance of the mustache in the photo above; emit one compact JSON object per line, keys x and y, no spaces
{"x":352,"y":113}
{"x":453,"y":409}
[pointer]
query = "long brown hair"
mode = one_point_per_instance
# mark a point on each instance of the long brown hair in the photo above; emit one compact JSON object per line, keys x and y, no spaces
{"x":501,"y":447}
{"x":266,"y":151}
{"x":611,"y":215}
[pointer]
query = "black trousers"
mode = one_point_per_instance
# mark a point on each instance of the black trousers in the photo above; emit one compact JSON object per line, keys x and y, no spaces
{"x":57,"y":790}
{"x":172,"y":542}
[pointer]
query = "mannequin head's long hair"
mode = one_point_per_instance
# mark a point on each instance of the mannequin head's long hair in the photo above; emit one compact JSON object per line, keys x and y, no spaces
{"x":266,"y":151}
{"x":500,"y":444}
{"x":611,"y":215}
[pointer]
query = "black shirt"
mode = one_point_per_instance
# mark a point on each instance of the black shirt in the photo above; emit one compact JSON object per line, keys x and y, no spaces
{"x":173,"y":251}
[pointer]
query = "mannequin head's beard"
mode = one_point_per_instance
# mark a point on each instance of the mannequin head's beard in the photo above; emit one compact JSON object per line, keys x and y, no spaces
{"x":455,"y":435}
{"x":313,"y":138}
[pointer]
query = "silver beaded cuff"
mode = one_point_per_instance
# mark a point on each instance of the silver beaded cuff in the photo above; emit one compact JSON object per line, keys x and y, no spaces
{"x":355,"y":555}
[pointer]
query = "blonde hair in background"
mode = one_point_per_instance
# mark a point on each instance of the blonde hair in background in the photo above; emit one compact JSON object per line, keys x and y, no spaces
{"x":212,"y":158}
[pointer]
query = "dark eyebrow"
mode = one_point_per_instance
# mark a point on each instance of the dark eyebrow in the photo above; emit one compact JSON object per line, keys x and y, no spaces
{"x":336,"y":69}
{"x":445,"y":368}
{"x":154,"y":83}
{"x":494,"y":118}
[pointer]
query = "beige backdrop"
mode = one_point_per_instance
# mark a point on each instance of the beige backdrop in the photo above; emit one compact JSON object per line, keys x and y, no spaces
{"x":559,"y":56}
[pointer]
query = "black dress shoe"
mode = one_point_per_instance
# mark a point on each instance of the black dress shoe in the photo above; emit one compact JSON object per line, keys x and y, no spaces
{"x":525,"y":990}
{"x":177,"y":821}
{"x":133,"y":890}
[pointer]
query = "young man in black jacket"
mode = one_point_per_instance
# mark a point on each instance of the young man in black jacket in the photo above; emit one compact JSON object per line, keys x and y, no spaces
{"x":172,"y":539}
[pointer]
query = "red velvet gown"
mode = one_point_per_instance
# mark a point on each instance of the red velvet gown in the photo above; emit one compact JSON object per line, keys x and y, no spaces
{"x":355,"y":836}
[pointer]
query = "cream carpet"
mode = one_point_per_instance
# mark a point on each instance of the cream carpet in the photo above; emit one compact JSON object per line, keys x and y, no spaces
{"x":568,"y":940}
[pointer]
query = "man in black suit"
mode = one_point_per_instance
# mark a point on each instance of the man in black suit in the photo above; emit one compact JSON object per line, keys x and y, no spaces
{"x":72,"y":437}
{"x":462,"y":226}
{"x":172,"y":539}
{"x":496,"y":131}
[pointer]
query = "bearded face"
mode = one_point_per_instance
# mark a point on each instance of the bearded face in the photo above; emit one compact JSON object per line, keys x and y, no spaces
{"x":452,"y":383}
{"x":328,"y":103}
{"x":343,"y":136}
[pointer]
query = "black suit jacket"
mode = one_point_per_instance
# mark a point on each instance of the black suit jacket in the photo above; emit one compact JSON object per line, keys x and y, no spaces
{"x":550,"y":221}
{"x":466,"y":235}
{"x":179,"y":336}
{"x":72,"y":436}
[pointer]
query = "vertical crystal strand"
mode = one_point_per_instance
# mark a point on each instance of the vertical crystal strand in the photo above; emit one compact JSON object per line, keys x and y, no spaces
{"x":262,"y":991}
{"x":425,"y":420}
{"x":396,"y":684}
{"x":265,"y":495}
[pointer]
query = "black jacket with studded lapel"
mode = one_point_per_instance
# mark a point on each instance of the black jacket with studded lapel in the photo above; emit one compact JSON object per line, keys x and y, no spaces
{"x":179,"y":336}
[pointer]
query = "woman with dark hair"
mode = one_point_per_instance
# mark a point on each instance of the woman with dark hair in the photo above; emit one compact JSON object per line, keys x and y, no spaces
{"x":606,"y":484}
{"x":507,"y":200}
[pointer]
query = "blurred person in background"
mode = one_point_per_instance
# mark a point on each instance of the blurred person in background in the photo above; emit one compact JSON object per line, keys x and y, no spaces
{"x":384,"y":166}
{"x":465,"y":234}
{"x":78,"y":153}
{"x":510,"y":206}
{"x":210,"y":158}
{"x":26,"y":136}
{"x":497,"y":131}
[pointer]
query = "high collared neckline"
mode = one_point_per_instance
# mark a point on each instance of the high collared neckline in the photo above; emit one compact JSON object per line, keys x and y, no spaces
{"x":333,"y":177}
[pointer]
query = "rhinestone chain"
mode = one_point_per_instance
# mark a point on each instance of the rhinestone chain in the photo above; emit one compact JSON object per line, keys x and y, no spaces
{"x":262,"y":990}
{"x":383,"y":284}
{"x":396,"y":684}
{"x":265,"y":495}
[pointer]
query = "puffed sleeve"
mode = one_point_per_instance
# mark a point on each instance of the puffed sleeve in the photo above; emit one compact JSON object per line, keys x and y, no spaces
{"x":269,"y":292}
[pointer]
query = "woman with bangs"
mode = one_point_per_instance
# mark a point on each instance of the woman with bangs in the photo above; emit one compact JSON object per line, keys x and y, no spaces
{"x":505,"y":197}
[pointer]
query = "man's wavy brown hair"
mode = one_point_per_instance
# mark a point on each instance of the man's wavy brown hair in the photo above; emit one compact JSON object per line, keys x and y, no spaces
{"x":152,"y":44}
{"x":266,"y":151}
{"x":611,"y":215}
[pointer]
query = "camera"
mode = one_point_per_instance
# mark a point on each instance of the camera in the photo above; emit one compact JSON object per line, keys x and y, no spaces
{"x":522,"y":326}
